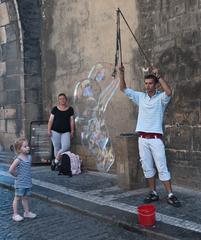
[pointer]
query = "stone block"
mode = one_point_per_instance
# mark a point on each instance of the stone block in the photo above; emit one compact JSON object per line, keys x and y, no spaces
{"x":11,"y":8}
{"x":32,"y":67}
{"x":2,"y":125}
{"x":1,"y":84}
{"x":32,"y":50}
{"x":175,"y":24}
{"x":186,"y":176}
{"x":198,"y":18}
{"x":32,"y":112}
{"x":164,"y":45}
{"x":12,"y":52}
{"x":176,"y":8}
{"x":178,"y":156}
{"x":12,"y":82}
{"x":179,"y":138}
{"x":2,"y":35}
{"x":12,"y":67}
{"x":191,"y":5}
{"x":2,"y":113}
{"x":129,"y":171}
{"x":11,"y":32}
{"x":3,"y":97}
{"x":33,"y":81}
{"x":13,"y":97}
{"x":10,"y":113}
{"x":189,"y":20}
{"x":4,"y":19}
{"x":2,"y":68}
{"x":3,"y":52}
{"x":10,"y":126}
{"x":179,"y":9}
{"x":162,"y":30}
{"x":196,"y":139}
{"x":195,"y":160}
{"x":33,"y":96}
{"x":186,"y":112}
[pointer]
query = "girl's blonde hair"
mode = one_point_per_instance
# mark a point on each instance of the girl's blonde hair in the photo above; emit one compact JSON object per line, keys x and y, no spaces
{"x":18,"y":144}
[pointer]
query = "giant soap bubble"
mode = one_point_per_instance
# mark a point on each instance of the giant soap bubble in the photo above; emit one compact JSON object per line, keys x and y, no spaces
{"x":91,"y":97}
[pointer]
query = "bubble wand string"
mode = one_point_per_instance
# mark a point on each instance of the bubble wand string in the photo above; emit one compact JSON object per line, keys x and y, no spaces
{"x":118,"y":47}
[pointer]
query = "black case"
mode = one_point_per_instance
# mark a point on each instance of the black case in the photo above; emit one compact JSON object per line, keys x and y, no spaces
{"x":64,"y":166}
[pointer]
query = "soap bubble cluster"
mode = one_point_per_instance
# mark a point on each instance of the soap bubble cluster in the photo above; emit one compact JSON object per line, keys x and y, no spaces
{"x":91,"y":97}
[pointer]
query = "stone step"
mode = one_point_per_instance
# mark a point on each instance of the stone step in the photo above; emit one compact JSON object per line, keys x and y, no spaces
{"x":7,"y":156}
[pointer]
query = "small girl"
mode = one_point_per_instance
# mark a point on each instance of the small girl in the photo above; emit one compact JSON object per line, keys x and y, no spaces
{"x":21,"y":170}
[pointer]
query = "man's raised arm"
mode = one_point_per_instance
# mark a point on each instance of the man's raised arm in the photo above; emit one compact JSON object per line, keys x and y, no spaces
{"x":162,"y":82}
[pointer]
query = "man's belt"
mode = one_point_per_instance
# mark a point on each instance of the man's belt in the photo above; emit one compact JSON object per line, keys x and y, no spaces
{"x":150,"y":135}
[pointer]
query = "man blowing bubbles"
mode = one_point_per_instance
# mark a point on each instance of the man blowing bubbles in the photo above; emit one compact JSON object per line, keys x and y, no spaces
{"x":151,"y":108}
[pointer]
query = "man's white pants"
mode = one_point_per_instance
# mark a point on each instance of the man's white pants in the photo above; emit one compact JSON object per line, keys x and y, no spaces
{"x":152,"y":157}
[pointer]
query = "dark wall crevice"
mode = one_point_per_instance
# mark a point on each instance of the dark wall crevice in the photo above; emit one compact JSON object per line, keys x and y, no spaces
{"x":31,"y":21}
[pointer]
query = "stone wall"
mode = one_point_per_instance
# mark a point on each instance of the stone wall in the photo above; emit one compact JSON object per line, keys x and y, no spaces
{"x":11,"y":75}
{"x":20,"y":68}
{"x":31,"y":21}
{"x":78,"y":34}
{"x":170,"y":33}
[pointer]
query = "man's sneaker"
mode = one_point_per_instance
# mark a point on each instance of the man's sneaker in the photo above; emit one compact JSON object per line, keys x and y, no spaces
{"x":17,"y":218}
{"x":151,"y":197}
{"x":29,"y":215}
{"x":172,"y":200}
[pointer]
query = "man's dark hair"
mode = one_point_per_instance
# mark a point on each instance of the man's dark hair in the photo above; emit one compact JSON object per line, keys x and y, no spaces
{"x":151,"y":76}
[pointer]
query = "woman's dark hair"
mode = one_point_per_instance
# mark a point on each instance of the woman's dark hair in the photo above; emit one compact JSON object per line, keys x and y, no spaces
{"x":151,"y":76}
{"x":64,"y":95}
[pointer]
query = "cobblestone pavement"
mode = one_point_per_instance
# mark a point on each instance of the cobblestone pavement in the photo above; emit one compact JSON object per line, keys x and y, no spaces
{"x":55,"y":223}
{"x":98,"y":196}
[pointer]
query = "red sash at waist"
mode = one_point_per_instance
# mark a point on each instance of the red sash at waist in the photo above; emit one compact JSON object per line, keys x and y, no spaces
{"x":150,"y":135}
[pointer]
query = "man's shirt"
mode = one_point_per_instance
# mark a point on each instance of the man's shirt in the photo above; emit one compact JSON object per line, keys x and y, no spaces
{"x":151,"y":110}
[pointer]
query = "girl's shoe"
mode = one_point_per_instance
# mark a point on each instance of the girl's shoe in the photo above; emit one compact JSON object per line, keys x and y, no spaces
{"x":29,"y":215}
{"x":17,"y":218}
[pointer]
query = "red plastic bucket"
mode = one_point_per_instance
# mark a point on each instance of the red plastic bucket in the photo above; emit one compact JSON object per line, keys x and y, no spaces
{"x":146,"y":215}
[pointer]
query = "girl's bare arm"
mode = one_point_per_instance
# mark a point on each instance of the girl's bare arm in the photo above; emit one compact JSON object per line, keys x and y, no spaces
{"x":12,"y":169}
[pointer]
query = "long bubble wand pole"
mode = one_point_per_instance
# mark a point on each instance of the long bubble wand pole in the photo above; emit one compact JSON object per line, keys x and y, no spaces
{"x":119,"y":37}
{"x":141,"y":49}
{"x":118,"y":53}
